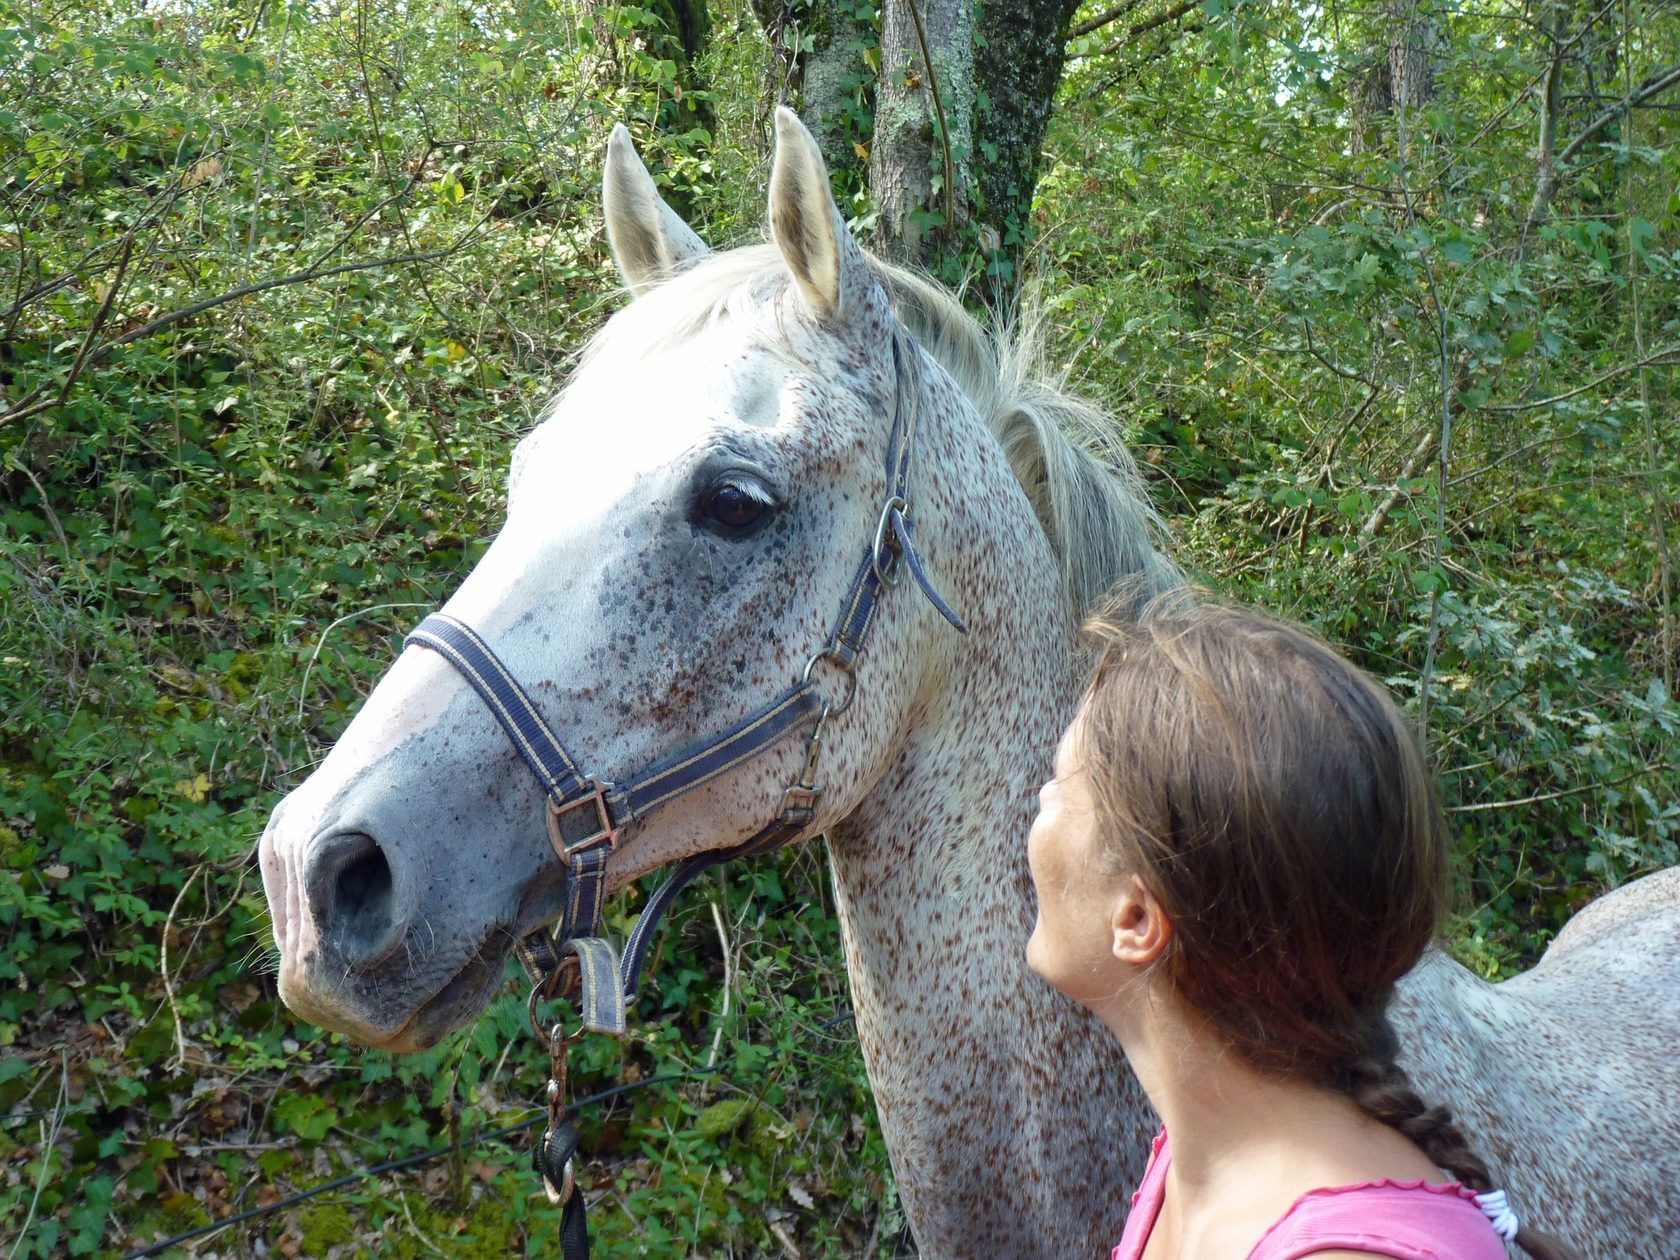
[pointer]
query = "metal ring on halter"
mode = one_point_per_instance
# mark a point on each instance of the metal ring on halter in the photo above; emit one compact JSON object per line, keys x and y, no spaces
{"x":887,"y":568}
{"x":565,"y":982}
{"x":829,"y":654}
{"x":536,"y":1024}
{"x":549,"y":1038}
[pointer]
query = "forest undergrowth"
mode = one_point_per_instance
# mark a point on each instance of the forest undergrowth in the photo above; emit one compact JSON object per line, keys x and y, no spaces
{"x":282,"y":286}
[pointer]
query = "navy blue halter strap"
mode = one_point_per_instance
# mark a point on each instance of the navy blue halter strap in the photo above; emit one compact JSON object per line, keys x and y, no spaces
{"x":565,"y":785}
{"x":586,"y":814}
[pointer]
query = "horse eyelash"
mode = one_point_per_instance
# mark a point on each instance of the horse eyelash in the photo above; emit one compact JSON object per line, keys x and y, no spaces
{"x":757,"y":493}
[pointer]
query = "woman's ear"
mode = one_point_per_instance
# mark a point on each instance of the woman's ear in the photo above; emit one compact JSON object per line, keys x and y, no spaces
{"x":1138,"y":924}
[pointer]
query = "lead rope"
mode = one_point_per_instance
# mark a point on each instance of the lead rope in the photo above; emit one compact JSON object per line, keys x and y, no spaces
{"x":586,"y":815}
{"x":603,"y":985}
{"x":553,"y":1155}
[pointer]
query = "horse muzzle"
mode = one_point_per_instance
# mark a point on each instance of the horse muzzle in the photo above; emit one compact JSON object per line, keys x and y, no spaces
{"x":357,"y":955}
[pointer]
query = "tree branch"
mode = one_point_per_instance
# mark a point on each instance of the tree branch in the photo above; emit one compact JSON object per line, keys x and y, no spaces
{"x":277,"y":282}
{"x":939,"y":109}
{"x":82,"y":355}
{"x":313,"y":272}
{"x":1480,"y":806}
{"x":1103,"y":19}
{"x":1414,"y":463}
{"x":1660,"y":81}
{"x":1148,"y":24}
{"x":1657,"y":356}
{"x":1545,"y":180}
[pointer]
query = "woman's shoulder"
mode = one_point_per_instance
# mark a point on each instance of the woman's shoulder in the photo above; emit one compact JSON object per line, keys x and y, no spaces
{"x":1403,"y":1220}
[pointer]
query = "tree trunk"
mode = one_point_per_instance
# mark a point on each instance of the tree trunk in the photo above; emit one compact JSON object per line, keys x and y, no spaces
{"x":1397,"y":77}
{"x":1545,"y":149}
{"x":941,"y":189}
{"x":820,"y":53}
{"x":685,"y":27}
{"x":1025,"y":46}
{"x":1413,"y":38}
{"x":920,"y":171}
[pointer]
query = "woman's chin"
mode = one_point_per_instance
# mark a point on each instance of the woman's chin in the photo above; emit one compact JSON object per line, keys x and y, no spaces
{"x":1035,"y":955}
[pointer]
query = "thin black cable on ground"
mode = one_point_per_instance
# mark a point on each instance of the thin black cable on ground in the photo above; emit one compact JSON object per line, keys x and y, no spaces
{"x":408,"y":1162}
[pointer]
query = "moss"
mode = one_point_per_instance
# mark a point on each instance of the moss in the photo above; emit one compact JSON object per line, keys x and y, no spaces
{"x":723,"y":1118}
{"x":182,"y":1211}
{"x":243,"y":675}
{"x":718,"y":1222}
{"x":902,"y":113}
{"x":488,"y":1232}
{"x":325,"y":1225}
{"x":767,"y":1136}
{"x":11,"y":845}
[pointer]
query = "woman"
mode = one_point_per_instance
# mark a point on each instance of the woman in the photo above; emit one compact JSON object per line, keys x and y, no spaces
{"x":1239,"y":855}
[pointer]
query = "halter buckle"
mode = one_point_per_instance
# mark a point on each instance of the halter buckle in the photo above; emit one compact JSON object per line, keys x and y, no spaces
{"x":884,"y":552}
{"x":603,"y":828}
{"x":796,"y":796}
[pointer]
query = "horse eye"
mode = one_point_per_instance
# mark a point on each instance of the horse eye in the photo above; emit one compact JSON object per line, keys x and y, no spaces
{"x":735,"y":507}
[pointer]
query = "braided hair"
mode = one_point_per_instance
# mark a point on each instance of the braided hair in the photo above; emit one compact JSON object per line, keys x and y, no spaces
{"x":1379,"y":1085}
{"x":1277,"y":804}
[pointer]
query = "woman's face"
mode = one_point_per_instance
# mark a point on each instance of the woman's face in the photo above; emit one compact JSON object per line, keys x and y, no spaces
{"x":1072,"y":942}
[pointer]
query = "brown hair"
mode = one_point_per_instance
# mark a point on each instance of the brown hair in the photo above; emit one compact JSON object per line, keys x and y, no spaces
{"x":1277,"y":804}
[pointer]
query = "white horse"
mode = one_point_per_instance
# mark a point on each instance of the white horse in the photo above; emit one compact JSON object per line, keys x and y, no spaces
{"x":681,"y":530}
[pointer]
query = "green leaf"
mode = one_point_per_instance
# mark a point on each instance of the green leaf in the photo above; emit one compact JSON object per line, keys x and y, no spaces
{"x":307,"y":1115}
{"x":1640,"y":234}
{"x":1431,"y":580}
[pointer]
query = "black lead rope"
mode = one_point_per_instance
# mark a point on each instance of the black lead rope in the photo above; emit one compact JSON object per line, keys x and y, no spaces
{"x":552,"y":1158}
{"x":586,"y":814}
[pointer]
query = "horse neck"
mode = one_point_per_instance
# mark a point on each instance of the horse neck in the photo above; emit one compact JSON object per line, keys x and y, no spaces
{"x":949,"y":818}
{"x":1000,"y":1099}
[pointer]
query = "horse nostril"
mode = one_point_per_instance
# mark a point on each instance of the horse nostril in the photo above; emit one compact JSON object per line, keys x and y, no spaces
{"x":352,"y":893}
{"x":364,"y":887}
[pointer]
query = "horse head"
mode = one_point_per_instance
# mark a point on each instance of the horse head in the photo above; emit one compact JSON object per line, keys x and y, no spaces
{"x":682,"y":528}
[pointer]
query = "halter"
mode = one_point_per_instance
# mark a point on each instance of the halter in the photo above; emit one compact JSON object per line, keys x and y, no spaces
{"x":585,"y":814}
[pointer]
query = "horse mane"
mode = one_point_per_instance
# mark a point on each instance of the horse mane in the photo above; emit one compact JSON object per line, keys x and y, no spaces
{"x":1095,"y":511}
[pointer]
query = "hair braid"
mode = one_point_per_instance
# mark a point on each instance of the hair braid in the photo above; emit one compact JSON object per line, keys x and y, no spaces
{"x":1380,"y":1086}
{"x":1383,"y":1091}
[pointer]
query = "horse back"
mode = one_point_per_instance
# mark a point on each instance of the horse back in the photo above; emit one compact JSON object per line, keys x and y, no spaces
{"x":1655,"y":897}
{"x":1564,"y":1077}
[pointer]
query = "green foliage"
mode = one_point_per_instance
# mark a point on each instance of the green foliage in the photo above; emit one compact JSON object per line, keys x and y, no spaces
{"x":1267,"y":295}
{"x":845,"y":35}
{"x":247,"y":442}
{"x":278,"y":446}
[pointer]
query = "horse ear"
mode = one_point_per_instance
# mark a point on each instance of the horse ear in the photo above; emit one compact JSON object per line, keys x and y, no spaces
{"x":827,"y":265}
{"x":649,"y":242}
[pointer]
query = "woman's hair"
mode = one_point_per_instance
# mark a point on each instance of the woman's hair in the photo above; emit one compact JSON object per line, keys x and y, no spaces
{"x":1275,"y":801}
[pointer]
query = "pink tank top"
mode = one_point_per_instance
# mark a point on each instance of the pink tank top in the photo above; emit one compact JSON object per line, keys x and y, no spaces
{"x":1409,"y":1220}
